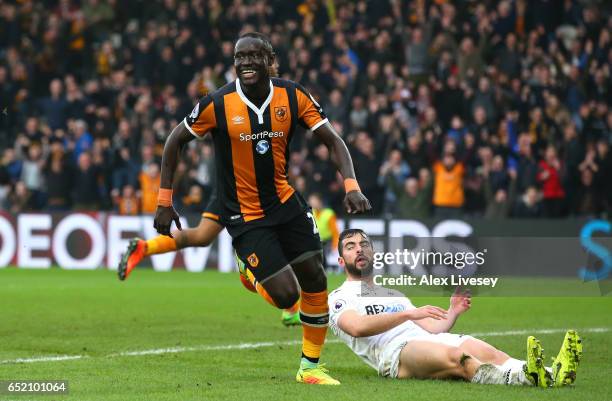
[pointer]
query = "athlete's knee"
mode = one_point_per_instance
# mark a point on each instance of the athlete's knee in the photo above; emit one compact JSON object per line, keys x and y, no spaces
{"x":283,"y":289}
{"x":285,"y":298}
{"x":458,"y":360}
{"x":312,"y":276}
{"x":319,"y":278}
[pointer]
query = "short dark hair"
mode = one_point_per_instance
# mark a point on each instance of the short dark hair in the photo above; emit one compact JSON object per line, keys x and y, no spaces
{"x":258,"y":35}
{"x":350,"y":233}
{"x":267,"y":47}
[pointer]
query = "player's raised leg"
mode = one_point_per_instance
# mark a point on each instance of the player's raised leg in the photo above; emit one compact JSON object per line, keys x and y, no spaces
{"x":289,"y":317}
{"x":138,"y":249}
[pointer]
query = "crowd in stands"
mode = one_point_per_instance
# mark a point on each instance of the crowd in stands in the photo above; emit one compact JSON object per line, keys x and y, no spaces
{"x":449,"y":108}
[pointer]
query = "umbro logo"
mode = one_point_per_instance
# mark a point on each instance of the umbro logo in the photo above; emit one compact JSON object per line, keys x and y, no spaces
{"x":238,"y":120}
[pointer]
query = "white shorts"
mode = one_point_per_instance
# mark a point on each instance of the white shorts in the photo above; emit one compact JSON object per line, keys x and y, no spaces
{"x":388,"y":365}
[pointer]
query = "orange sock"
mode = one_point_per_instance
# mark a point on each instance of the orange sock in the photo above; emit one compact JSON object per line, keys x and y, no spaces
{"x":314,"y":316}
{"x":160,"y":244}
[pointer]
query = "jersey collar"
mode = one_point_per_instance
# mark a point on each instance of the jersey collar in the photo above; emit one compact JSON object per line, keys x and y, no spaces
{"x":259,"y":112}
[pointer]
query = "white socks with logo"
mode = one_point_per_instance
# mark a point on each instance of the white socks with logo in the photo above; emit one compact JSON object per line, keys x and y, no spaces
{"x":511,"y":373}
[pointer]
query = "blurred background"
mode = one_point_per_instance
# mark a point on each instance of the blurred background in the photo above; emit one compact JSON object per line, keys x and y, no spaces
{"x":450,"y":109}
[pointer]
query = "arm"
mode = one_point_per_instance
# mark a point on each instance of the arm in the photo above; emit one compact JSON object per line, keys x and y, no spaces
{"x":460,"y":302}
{"x":354,"y":201}
{"x":357,"y":325}
{"x":165,"y":213}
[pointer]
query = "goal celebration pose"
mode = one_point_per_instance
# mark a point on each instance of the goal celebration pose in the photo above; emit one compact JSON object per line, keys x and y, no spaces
{"x":251,"y":121}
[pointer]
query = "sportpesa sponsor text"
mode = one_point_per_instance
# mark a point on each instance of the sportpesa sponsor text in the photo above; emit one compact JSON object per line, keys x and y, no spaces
{"x":261,"y":135}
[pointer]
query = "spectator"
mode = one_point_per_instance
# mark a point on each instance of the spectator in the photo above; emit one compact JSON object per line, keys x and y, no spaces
{"x":412,"y":200}
{"x":500,"y":199}
{"x":529,"y":206}
{"x":20,"y":199}
{"x":327,"y":225}
{"x":54,"y":108}
{"x":128,"y":203}
{"x":58,"y":178}
{"x":31,"y":175}
{"x":603,"y":175}
{"x":85,"y":194}
{"x":366,"y":159}
{"x":149,"y":186}
{"x":478,"y":74}
{"x":194,"y":202}
{"x":549,"y":177}
{"x":588,"y":202}
{"x":527,"y":167}
{"x":83,"y":140}
{"x":393,"y":172}
{"x":448,"y":196}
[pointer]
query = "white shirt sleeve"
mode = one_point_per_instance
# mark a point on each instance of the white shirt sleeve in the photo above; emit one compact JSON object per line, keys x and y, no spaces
{"x":339,"y":302}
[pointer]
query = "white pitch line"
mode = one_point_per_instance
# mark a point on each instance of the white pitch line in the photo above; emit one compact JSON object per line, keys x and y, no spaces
{"x":44,"y":359}
{"x":540,"y":331}
{"x":240,"y":346}
{"x":227,"y":347}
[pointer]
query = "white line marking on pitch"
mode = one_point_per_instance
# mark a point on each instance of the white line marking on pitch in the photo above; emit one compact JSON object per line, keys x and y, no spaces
{"x":231,"y":347}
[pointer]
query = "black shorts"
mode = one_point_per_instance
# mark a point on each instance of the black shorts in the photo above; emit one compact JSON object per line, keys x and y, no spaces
{"x":267,"y":250}
{"x":213,"y":210}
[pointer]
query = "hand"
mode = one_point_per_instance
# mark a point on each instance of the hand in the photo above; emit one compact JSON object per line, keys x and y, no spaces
{"x":164,"y":216}
{"x":426,"y":311}
{"x":460,"y":301}
{"x":356,"y":202}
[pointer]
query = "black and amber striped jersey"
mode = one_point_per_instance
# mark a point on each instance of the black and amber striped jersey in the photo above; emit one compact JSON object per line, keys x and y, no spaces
{"x":252,"y":144}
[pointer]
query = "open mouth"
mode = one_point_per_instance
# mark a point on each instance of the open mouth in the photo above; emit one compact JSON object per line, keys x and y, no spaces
{"x":361,"y":259}
{"x":248,"y":73}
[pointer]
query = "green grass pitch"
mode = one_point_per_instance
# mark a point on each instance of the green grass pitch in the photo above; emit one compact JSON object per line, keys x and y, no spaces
{"x":90,"y":313}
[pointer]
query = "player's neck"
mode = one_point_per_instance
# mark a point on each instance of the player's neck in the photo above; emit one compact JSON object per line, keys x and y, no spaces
{"x":257,"y":93}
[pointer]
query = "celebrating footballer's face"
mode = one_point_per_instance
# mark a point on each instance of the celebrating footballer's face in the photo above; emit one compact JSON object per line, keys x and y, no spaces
{"x":252,"y":59}
{"x":356,"y":254}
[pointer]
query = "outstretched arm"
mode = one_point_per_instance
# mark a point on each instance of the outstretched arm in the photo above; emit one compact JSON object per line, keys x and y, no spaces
{"x":354,"y":201}
{"x":165,"y":213}
{"x":357,"y":325}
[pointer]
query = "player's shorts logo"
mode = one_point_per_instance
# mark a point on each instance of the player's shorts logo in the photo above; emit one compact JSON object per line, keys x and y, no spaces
{"x":280,"y":113}
{"x":253,"y":260}
{"x":262,"y":146}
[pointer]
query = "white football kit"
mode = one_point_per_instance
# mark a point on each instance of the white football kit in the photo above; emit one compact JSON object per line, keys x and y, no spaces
{"x":380,"y":351}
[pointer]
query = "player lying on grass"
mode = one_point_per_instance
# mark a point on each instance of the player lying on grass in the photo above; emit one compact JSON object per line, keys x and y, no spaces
{"x":203,"y":235}
{"x":402,"y":341}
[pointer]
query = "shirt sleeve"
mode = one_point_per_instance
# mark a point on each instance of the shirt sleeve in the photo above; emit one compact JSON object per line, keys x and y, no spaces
{"x":338,"y":304}
{"x":202,"y":118}
{"x":310,"y":113}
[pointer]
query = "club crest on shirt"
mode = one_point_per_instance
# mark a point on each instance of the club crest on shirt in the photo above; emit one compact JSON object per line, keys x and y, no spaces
{"x":253,"y":260}
{"x":280,"y":113}
{"x":339,"y":304}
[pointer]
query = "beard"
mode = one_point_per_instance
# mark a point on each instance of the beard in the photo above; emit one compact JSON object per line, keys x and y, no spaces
{"x":354,"y":271}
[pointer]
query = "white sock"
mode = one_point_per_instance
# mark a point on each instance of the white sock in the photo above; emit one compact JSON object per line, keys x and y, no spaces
{"x":513,"y":370}
{"x":512,"y":363}
{"x":489,"y":374}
